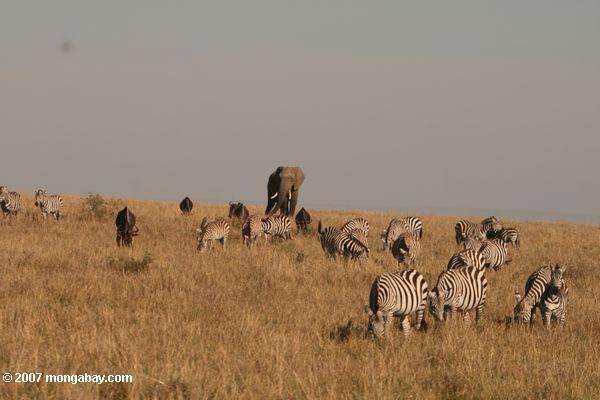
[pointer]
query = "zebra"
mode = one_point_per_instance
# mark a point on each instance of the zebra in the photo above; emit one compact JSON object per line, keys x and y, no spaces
{"x":465,"y":229}
{"x":238,"y":211}
{"x":553,"y":302}
{"x":251,"y":229}
{"x":399,"y":226}
{"x":277,"y":226}
{"x":406,"y":246}
{"x":334,"y":241}
{"x":396,"y":294}
{"x":10,"y":202}
{"x":353,"y":245}
{"x":524,"y":311}
{"x":466,"y":258}
{"x":48,"y":203}
{"x":494,"y":253}
{"x":208,"y":232}
{"x":356,"y":224}
{"x":461,"y":290}
{"x":507,"y":235}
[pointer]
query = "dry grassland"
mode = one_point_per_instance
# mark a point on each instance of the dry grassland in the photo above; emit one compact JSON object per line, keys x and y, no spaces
{"x":278,"y":321}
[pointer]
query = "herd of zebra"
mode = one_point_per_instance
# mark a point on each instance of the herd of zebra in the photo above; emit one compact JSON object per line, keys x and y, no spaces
{"x":403,"y":294}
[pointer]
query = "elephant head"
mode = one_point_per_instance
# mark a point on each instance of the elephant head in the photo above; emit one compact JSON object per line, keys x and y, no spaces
{"x":283,"y":190}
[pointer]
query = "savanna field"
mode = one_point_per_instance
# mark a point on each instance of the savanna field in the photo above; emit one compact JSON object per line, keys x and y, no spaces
{"x":276,"y":321}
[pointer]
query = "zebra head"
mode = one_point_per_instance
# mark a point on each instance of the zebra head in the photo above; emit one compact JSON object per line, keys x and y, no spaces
{"x":557,"y":276}
{"x":377,"y":322}
{"x":436,"y":304}
{"x":521,"y":312}
{"x":40,"y":193}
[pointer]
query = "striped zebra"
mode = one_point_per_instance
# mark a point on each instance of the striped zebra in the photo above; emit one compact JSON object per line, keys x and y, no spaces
{"x":10,"y":202}
{"x":48,"y":203}
{"x":356,"y":224}
{"x":396,"y":294}
{"x":211,"y":231}
{"x":462,"y":290}
{"x":398,"y":226}
{"x":406,"y":248}
{"x":334,"y":241}
{"x":465,"y":229}
{"x":507,"y":235}
{"x":466,"y":258}
{"x":524,"y":311}
{"x":277,"y":226}
{"x":252,"y":228}
{"x":494,"y":253}
{"x":554,"y":300}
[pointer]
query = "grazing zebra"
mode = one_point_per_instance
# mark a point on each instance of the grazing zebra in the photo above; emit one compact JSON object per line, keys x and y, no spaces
{"x":494,"y":253}
{"x":48,"y":203}
{"x":186,"y":206}
{"x":302,"y":220}
{"x":399,"y":226}
{"x":554,"y":300}
{"x":353,"y":245}
{"x":238,"y":211}
{"x":328,"y":239}
{"x":507,"y":235}
{"x":461,"y":290}
{"x":335,"y":241}
{"x":535,"y":287}
{"x":277,"y":226}
{"x":211,"y":231}
{"x":466,"y":258}
{"x":396,"y":294}
{"x":465,"y":229}
{"x":10,"y":202}
{"x":356,"y":224}
{"x":406,"y":246}
{"x":251,"y":229}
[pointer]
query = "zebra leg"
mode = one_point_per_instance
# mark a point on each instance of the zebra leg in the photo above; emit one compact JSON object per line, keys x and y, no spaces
{"x":467,"y":318}
{"x":546,"y":317}
{"x":479,"y":313}
{"x":405,"y":324}
{"x":419,"y":319}
{"x":532,"y":315}
{"x":560,"y":318}
{"x":57,"y":215}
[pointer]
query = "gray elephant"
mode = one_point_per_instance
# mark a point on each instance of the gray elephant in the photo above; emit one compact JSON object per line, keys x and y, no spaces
{"x":283,"y":190}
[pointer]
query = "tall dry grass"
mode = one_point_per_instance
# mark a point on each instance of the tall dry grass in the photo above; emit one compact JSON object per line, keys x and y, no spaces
{"x":277,"y":321}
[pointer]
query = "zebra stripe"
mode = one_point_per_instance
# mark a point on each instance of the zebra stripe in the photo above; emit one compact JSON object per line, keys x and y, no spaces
{"x":494,"y":253}
{"x":507,"y":235}
{"x":351,"y":245}
{"x":466,"y":258}
{"x":406,"y":248}
{"x":461,"y":290}
{"x":396,"y":294}
{"x":356,"y":224}
{"x":251,"y":229}
{"x":465,"y":229}
{"x":211,"y":231}
{"x":553,"y":303}
{"x":48,"y":203}
{"x":279,"y":226}
{"x":397,"y":227}
{"x":535,"y":287}
{"x":10,"y":202}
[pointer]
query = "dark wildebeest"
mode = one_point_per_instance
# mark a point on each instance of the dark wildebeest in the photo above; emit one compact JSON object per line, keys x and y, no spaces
{"x":186,"y":206}
{"x":239,"y":211}
{"x":303,"y":220}
{"x":126,"y":228}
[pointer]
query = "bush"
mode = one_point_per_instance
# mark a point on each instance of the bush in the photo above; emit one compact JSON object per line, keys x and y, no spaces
{"x":130,"y":265}
{"x":97,"y":206}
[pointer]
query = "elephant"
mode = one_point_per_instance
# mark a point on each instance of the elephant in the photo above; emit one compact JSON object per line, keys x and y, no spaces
{"x":283,"y":190}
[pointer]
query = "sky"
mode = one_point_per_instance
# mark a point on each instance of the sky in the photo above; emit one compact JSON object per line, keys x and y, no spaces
{"x":390,"y":104}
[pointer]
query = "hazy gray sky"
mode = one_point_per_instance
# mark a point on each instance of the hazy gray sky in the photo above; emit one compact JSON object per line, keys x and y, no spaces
{"x":457,"y":104}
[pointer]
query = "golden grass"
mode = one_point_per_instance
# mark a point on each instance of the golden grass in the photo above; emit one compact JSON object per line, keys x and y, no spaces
{"x":277,"y":321}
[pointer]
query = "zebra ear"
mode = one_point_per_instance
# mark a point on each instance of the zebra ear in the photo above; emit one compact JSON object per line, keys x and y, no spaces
{"x":432,"y":295}
{"x":368,"y":310}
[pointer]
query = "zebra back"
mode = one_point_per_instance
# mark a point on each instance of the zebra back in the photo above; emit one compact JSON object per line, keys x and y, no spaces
{"x":461,"y":289}
{"x":356,"y":224}
{"x":466,"y":258}
{"x":280,"y":226}
{"x":494,"y":253}
{"x":10,"y":201}
{"x":328,"y":238}
{"x":352,"y":244}
{"x":535,"y":287}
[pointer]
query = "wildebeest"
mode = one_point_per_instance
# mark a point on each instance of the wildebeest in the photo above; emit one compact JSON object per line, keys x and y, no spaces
{"x":126,"y":228}
{"x":302,"y":220}
{"x":186,"y":206}
{"x":239,"y":211}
